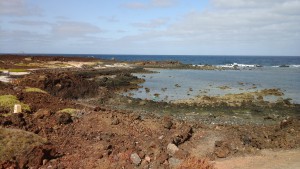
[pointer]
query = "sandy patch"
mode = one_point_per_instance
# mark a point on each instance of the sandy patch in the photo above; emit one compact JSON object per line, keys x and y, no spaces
{"x":288,"y":159}
{"x":5,"y":79}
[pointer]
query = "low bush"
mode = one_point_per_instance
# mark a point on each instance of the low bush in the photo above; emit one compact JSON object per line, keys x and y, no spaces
{"x":32,"y":89}
{"x":70,"y":111}
{"x":14,"y":142}
{"x":7,"y":103}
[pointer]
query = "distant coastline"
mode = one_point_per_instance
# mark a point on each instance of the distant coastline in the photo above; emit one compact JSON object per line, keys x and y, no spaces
{"x":275,"y":61}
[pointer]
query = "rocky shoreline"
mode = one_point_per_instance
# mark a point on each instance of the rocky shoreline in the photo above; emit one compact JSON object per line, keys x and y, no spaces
{"x":75,"y":117}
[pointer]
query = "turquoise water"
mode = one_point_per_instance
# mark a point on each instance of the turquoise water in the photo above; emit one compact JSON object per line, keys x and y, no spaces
{"x":183,"y":84}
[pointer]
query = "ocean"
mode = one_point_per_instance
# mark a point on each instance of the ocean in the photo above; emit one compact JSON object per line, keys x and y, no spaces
{"x":292,"y":61}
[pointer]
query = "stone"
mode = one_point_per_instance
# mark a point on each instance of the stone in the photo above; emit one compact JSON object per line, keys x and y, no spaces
{"x":284,"y":123}
{"x":134,"y":157}
{"x":100,"y":156}
{"x":168,"y":124}
{"x":163,"y":157}
{"x":135,"y":117}
{"x":18,"y":119}
{"x":142,"y":103}
{"x":222,"y":149}
{"x":161,"y":137}
{"x":37,"y":156}
{"x":64,"y":118}
{"x":115,"y":121}
{"x":45,"y":161}
{"x":222,"y":153}
{"x":42,"y":113}
{"x":184,"y":135}
{"x":148,"y":159}
{"x":17,"y":108}
{"x":28,"y":59}
{"x":97,"y":109}
{"x":172,"y":148}
{"x":141,"y":154}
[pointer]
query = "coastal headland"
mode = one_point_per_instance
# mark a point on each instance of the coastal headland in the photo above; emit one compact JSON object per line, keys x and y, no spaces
{"x":74,"y":115}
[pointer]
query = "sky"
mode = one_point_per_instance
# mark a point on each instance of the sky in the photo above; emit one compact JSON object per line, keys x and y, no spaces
{"x":152,"y":27}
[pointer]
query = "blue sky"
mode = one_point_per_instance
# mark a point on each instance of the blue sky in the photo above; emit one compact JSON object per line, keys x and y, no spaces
{"x":183,"y":27}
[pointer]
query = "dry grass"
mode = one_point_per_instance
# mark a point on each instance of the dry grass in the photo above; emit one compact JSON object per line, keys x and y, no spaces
{"x":195,"y":163}
{"x":14,"y":142}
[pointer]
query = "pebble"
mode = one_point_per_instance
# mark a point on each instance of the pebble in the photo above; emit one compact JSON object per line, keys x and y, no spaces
{"x":135,"y":159}
{"x":148,"y":159}
{"x":172,"y":148}
{"x":160,"y":137}
{"x":142,"y":103}
{"x":45,"y":161}
{"x":168,"y":124}
{"x":115,"y":121}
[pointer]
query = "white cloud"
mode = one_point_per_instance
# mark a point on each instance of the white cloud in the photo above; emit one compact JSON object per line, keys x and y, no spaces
{"x":152,"y":24}
{"x":22,"y":41}
{"x":135,"y":5}
{"x":74,"y":29}
{"x":232,"y":26}
{"x":31,"y":23}
{"x":269,"y":27}
{"x":62,"y":18}
{"x":245,"y":3}
{"x":61,"y":37}
{"x":111,"y":19}
{"x":162,"y":3}
{"x":289,"y":8}
{"x":17,"y":8}
{"x":151,"y":4}
{"x":61,"y":32}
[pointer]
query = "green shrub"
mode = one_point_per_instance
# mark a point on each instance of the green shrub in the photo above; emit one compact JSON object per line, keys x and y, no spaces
{"x":32,"y":89}
{"x":14,"y":70}
{"x":14,"y":142}
{"x":7,"y":103}
{"x":70,"y":111}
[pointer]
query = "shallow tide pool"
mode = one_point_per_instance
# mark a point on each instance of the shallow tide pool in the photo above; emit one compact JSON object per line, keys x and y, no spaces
{"x":169,"y":85}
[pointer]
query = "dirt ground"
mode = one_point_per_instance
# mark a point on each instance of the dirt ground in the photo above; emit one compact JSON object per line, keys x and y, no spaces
{"x":265,"y":160}
{"x":97,"y":133}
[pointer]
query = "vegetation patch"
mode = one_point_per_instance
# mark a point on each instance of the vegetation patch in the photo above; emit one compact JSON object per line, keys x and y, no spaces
{"x":7,"y":103}
{"x":32,"y":89}
{"x":14,"y":142}
{"x":70,"y":111}
{"x":57,"y":65}
{"x":92,"y":64}
{"x":14,"y":70}
{"x":33,"y":64}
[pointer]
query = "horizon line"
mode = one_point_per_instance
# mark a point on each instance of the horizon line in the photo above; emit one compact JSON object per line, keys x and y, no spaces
{"x":149,"y":54}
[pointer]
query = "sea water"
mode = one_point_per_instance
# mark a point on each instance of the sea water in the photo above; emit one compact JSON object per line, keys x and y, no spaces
{"x":281,"y":72}
{"x":184,"y":84}
{"x":276,"y":61}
